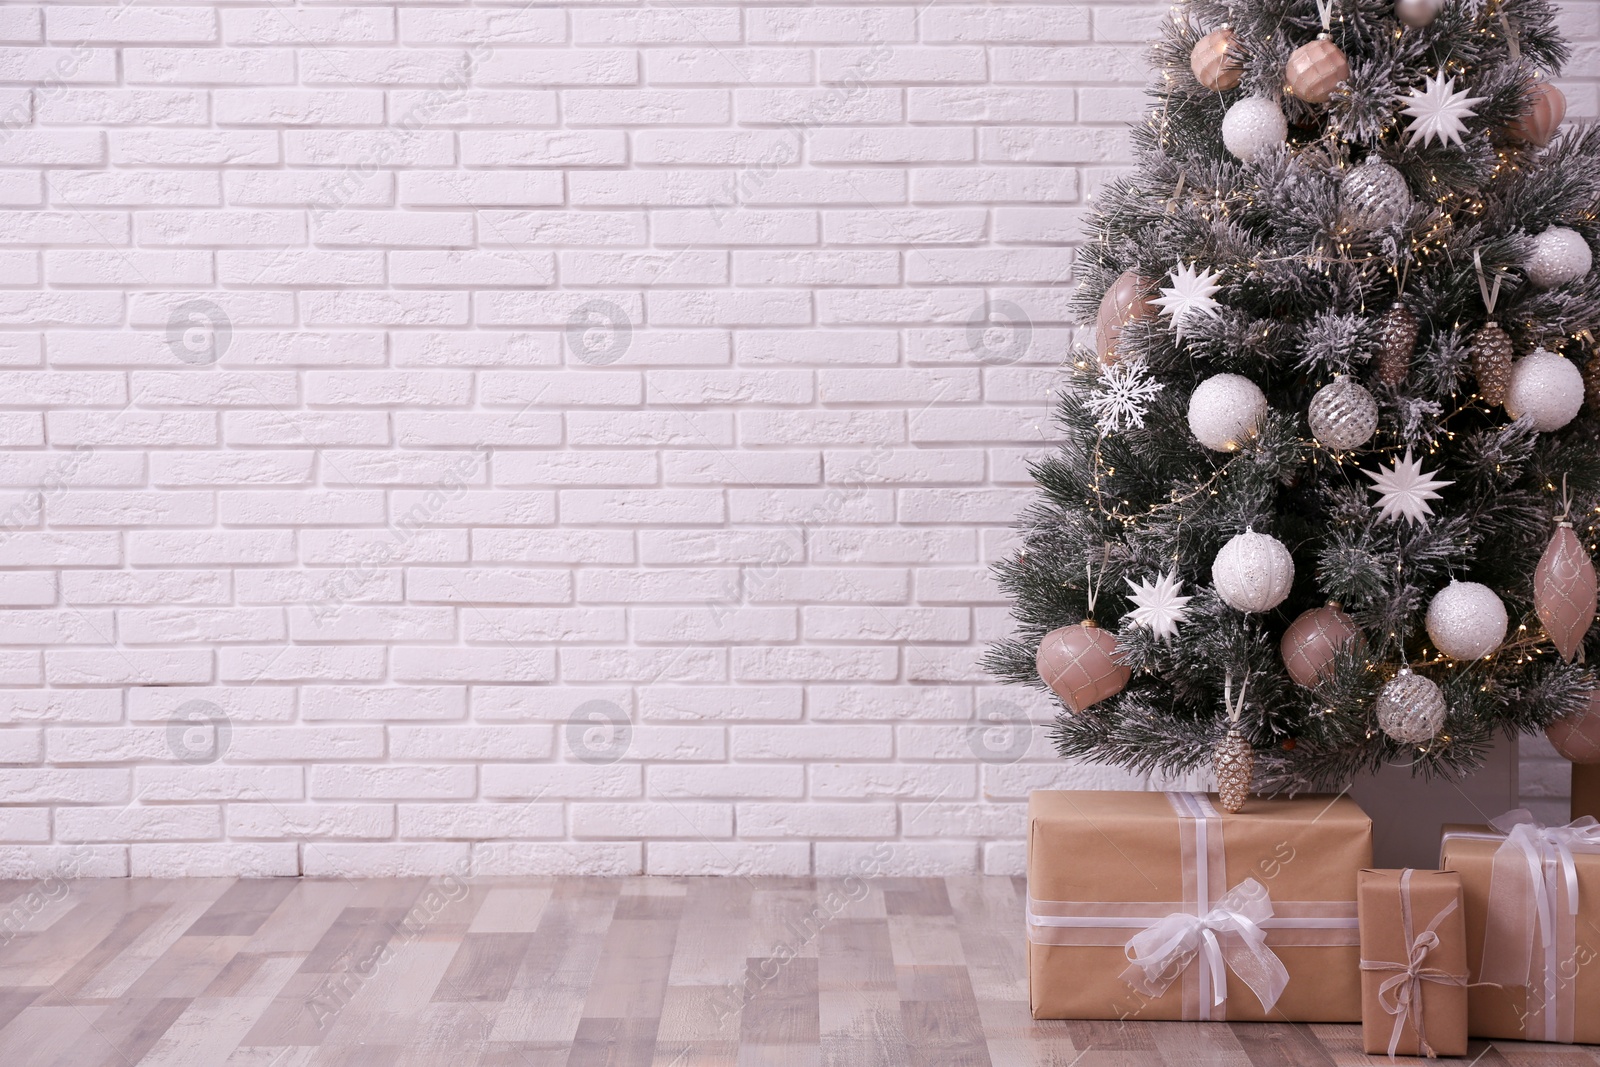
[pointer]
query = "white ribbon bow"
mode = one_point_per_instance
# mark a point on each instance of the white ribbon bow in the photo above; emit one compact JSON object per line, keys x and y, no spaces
{"x":1228,"y":937}
{"x":1518,"y":900}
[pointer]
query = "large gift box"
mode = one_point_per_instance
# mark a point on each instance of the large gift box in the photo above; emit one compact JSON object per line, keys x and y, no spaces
{"x":1158,"y":906}
{"x":1413,"y":963}
{"x":1532,"y":897}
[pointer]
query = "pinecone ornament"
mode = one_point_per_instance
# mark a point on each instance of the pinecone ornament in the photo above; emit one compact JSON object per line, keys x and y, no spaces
{"x":1491,"y":363}
{"x":1233,"y":762}
{"x":1397,"y":339}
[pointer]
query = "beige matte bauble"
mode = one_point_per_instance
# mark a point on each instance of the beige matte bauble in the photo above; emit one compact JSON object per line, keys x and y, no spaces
{"x":1079,"y":663}
{"x":1577,"y":737}
{"x":1215,"y":60}
{"x":1312,"y":642}
{"x":1417,"y":13}
{"x":1542,"y":111}
{"x":1315,"y":70}
{"x":1128,"y":300}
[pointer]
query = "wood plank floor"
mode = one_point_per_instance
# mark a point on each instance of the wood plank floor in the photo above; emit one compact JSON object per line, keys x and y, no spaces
{"x":571,"y":972}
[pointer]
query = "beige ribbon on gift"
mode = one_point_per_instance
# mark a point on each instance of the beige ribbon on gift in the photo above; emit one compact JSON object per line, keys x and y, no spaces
{"x":1530,"y":934}
{"x":1401,"y":995}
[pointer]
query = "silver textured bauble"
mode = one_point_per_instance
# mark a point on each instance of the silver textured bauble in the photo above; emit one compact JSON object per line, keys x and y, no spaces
{"x":1545,"y":387}
{"x":1253,"y":127}
{"x":1411,"y":708}
{"x":1225,"y":410}
{"x":1373,"y":196}
{"x":1560,"y":255}
{"x":1466,"y":620}
{"x":1253,"y":572}
{"x":1417,"y":13}
{"x":1342,"y":415}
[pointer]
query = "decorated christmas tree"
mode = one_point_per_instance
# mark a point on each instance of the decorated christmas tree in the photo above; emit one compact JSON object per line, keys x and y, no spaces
{"x":1329,"y":480}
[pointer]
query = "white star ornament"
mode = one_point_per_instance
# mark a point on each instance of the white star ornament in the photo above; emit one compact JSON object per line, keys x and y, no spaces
{"x":1189,"y":295}
{"x":1438,"y":110}
{"x":1404,"y":490}
{"x":1157,"y":605}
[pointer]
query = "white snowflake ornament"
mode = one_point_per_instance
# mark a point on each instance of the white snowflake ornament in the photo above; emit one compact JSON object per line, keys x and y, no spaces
{"x":1123,"y":398}
{"x":1157,"y":606}
{"x":1438,"y":110}
{"x":1189,"y":295}
{"x":1404,"y":490}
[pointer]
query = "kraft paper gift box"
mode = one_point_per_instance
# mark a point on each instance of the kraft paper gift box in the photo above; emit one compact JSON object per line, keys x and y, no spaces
{"x":1532,"y":898}
{"x":1413,"y":963}
{"x":1248,"y":917}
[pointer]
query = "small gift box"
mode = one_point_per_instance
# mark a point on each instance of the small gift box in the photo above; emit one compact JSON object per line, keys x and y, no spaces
{"x":1413,"y":963}
{"x":1158,"y":906}
{"x":1532,"y":899}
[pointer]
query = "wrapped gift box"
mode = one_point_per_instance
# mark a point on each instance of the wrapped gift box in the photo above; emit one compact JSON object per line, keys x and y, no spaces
{"x":1532,"y":899}
{"x":1114,"y":876}
{"x":1413,"y":963}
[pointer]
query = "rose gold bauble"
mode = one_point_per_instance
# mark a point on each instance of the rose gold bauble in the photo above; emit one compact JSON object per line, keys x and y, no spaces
{"x":1314,"y":70}
{"x":1128,"y":300}
{"x":1577,"y":736}
{"x":1215,"y":60}
{"x":1564,"y":591}
{"x":1542,"y":111}
{"x":1079,"y":663}
{"x":1313,"y":640}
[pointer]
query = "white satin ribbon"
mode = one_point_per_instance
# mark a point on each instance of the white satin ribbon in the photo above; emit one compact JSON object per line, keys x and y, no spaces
{"x":1228,"y":937}
{"x":1529,"y":933}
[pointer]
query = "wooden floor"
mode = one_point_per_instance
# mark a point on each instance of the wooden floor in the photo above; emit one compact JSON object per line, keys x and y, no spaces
{"x":570,"y":973}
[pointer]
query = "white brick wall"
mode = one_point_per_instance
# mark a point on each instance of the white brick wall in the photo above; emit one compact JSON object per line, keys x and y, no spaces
{"x":550,"y":437}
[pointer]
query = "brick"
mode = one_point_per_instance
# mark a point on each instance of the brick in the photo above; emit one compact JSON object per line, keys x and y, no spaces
{"x":326,"y":25}
{"x":146,"y":587}
{"x":480,"y":821}
{"x":653,"y":820}
{"x":556,"y":781}
{"x":313,"y":821}
{"x":724,"y":781}
{"x":806,"y":820}
{"x":811,"y":742}
{"x":398,"y":703}
{"x":787,"y":859}
{"x":390,"y":782}
{"x":695,"y":703}
{"x":200,"y":66}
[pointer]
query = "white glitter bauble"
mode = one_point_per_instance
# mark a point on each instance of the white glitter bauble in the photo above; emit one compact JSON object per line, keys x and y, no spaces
{"x":1225,"y":410}
{"x":1547,"y":388}
{"x":1466,"y":620}
{"x":1416,"y":13}
{"x":1253,"y":127}
{"x":1342,"y":415}
{"x":1560,"y":255}
{"x":1411,"y":708}
{"x":1253,"y":572}
{"x":1373,"y":195}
